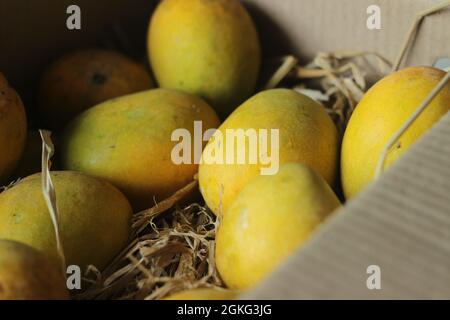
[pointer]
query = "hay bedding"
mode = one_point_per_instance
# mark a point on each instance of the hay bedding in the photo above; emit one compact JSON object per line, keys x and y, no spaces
{"x":172,"y":247}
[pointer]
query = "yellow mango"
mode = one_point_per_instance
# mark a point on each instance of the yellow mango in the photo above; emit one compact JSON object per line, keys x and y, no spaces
{"x":203,"y":294}
{"x":380,"y":114}
{"x":13,"y":129}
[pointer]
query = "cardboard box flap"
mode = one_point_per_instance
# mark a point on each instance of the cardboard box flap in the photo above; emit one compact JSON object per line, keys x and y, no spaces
{"x":401,"y":223}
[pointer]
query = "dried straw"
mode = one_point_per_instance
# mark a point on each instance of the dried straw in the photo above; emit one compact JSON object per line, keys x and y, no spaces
{"x":172,"y":247}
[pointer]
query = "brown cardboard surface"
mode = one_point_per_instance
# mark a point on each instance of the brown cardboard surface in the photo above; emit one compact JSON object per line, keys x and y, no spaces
{"x":401,"y":223}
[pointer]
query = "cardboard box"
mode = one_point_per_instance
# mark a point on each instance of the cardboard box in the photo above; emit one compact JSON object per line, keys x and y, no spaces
{"x":401,"y":223}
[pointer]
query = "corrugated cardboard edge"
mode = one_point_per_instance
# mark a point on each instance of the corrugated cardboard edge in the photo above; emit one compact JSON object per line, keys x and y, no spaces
{"x":400,"y":223}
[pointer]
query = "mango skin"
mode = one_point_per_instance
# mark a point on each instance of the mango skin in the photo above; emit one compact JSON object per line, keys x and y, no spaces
{"x":380,"y":114}
{"x":203,"y":294}
{"x":270,"y":219}
{"x":85,"y":78}
{"x":306,"y":135}
{"x":207,"y":48}
{"x":13,"y":129}
{"x":95,"y":218}
{"x":127,"y":141}
{"x":27,"y":274}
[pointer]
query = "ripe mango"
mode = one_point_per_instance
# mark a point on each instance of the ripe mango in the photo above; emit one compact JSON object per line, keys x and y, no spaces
{"x":95,"y":218}
{"x":203,"y":294}
{"x":85,"y":78}
{"x":13,"y":129}
{"x":306,"y":134}
{"x":270,"y":218}
{"x":380,"y":114}
{"x":207,"y":48}
{"x":127,"y":141}
{"x":27,"y":274}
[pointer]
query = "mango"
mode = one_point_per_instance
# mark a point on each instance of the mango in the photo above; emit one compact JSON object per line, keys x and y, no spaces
{"x":83,"y":79}
{"x":95,"y":218}
{"x":13,"y":129}
{"x":203,"y":294}
{"x":306,"y":135}
{"x":128,"y":142}
{"x":207,"y":48}
{"x":380,"y":114}
{"x":27,"y":274}
{"x":270,"y":218}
